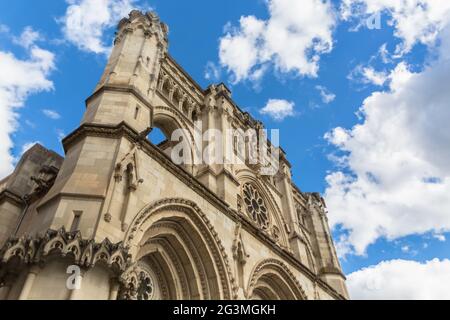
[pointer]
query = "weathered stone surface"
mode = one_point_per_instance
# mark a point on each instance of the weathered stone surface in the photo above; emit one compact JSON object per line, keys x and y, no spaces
{"x":140,"y":226}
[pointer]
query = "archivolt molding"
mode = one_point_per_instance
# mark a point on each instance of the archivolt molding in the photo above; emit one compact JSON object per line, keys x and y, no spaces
{"x":161,"y":279}
{"x":182,"y":277}
{"x":228,"y":282}
{"x":166,"y":252}
{"x":198,"y":265}
{"x":274,"y":264}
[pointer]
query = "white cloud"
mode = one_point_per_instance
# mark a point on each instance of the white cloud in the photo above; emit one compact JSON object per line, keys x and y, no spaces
{"x":18,"y":79}
{"x":294,"y":37}
{"x":278,"y":109}
{"x":61,"y":134}
{"x":325,"y":94}
{"x":368,"y":75}
{"x":30,"y":124}
{"x":212,"y":71}
{"x":401,"y":279}
{"x":27,"y":38}
{"x":86,"y":21}
{"x":384,"y":53}
{"x":375,"y":77}
{"x":415,"y":21}
{"x":397,"y":177}
{"x":439,"y":237}
{"x":51,"y":114}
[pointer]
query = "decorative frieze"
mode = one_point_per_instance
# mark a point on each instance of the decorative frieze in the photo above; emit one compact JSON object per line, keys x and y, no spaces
{"x":37,"y":250}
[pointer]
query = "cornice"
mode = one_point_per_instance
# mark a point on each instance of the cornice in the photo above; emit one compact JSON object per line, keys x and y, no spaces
{"x":170,"y":59}
{"x":61,"y":195}
{"x":169,"y":72}
{"x":227,"y":173}
{"x":174,"y":109}
{"x":13,"y":197}
{"x":121,"y":89}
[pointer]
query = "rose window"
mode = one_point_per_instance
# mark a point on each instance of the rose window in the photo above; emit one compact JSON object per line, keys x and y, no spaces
{"x":145,"y":287}
{"x":137,"y":284}
{"x":255,"y":205}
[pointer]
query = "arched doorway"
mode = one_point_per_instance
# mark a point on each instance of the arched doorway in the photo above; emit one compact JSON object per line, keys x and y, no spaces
{"x":272,"y":280}
{"x":176,"y":255}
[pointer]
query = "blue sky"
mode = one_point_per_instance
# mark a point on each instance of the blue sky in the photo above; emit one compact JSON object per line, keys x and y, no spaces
{"x":367,"y":128}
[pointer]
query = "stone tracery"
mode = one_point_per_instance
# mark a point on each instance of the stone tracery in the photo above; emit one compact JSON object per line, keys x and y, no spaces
{"x":137,"y":284}
{"x":255,"y":206}
{"x":175,"y":250}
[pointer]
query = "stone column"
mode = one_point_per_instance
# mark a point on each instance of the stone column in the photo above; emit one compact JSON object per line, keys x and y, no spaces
{"x":289,"y":198}
{"x":114,"y":289}
{"x":171,"y":92}
{"x":27,"y":286}
{"x":9,"y":280}
{"x":4,"y":291}
{"x":227,"y":145}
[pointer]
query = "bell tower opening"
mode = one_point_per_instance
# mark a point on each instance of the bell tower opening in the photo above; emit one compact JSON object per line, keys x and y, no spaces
{"x":157,"y":137}
{"x":170,"y":137}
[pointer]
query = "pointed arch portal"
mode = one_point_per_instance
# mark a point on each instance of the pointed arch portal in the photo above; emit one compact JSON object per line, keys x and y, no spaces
{"x":176,"y":255}
{"x":272,"y":280}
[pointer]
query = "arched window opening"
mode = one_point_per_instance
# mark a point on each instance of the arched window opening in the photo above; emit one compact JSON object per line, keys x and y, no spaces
{"x":185,"y":108}
{"x":157,"y":137}
{"x":166,"y":89}
{"x":176,"y":99}
{"x":194,"y":116}
{"x":168,"y":136}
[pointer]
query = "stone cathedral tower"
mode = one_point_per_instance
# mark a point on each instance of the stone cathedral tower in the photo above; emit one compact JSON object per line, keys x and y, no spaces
{"x":117,"y":218}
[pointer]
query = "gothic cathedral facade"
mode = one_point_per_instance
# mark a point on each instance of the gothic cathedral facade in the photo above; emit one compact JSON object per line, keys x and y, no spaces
{"x":130,"y":223}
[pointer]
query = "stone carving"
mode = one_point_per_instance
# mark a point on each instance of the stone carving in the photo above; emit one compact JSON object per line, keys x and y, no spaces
{"x":43,"y":182}
{"x":276,"y":233}
{"x":211,"y":237}
{"x":173,"y":248}
{"x":176,"y":74}
{"x":179,"y":94}
{"x":238,"y":249}
{"x":137,"y":284}
{"x":149,"y":22}
{"x":85,"y":253}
